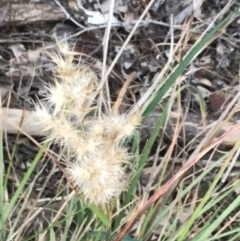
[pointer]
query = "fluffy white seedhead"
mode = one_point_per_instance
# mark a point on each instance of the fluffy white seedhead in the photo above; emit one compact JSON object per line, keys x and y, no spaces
{"x":77,"y":95}
{"x":99,"y":177}
{"x":115,"y":128}
{"x":56,"y":97}
{"x":44,"y":117}
{"x":94,"y":156}
{"x":97,"y":169}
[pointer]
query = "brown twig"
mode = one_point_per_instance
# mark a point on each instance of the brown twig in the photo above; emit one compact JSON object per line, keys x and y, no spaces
{"x":123,"y":91}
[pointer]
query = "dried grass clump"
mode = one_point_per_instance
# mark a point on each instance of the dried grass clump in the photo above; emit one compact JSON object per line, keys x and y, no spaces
{"x":94,"y":155}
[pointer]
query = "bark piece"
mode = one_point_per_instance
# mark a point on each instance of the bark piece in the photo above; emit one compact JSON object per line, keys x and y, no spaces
{"x":25,"y":12}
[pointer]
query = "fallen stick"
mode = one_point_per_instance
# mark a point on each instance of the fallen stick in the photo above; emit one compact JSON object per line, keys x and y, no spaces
{"x":15,"y":120}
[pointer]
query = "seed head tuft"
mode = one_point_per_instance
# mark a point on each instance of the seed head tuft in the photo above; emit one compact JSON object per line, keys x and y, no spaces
{"x":95,"y":158}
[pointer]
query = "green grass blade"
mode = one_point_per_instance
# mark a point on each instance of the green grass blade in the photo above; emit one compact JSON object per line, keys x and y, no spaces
{"x":201,"y":205}
{"x":141,"y":163}
{"x":2,"y":189}
{"x":69,"y":220}
{"x":218,"y":199}
{"x":52,"y":235}
{"x":219,"y":220}
{"x":236,"y":237}
{"x":146,"y":152}
{"x":185,"y":62}
{"x":23,"y":183}
{"x":186,"y":191}
{"x":103,"y":236}
{"x":101,"y":215}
